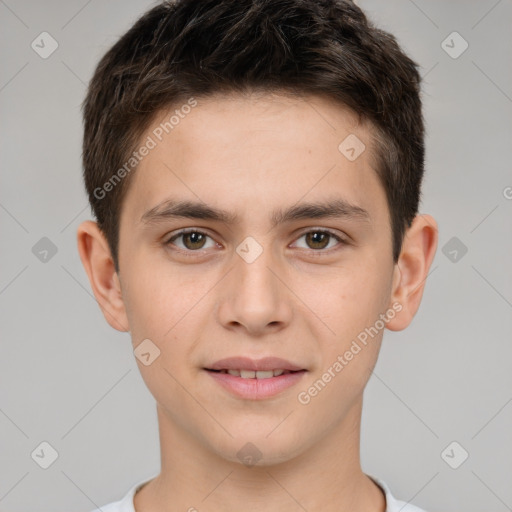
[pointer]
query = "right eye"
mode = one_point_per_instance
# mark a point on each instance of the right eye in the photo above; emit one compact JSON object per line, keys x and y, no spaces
{"x":192,"y":240}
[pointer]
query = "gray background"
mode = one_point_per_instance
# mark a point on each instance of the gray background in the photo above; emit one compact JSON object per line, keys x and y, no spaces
{"x":68,"y":379}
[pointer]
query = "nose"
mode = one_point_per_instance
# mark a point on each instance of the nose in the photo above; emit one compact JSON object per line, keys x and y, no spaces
{"x":255,"y":297}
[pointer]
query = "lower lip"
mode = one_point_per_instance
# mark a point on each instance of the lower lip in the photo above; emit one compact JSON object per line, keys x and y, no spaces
{"x":256,"y":389}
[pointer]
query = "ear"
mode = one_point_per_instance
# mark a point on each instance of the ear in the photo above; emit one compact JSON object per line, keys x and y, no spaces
{"x":99,"y":265}
{"x":410,"y":273}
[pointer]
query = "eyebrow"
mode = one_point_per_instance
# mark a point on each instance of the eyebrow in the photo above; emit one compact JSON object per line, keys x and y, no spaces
{"x":334,"y":208}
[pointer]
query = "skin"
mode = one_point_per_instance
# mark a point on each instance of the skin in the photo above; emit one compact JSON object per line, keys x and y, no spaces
{"x":299,"y":301}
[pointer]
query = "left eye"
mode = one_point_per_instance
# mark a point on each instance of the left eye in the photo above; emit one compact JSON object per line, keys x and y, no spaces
{"x":319,"y":239}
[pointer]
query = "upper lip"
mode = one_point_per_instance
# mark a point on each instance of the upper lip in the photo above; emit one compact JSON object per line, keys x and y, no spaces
{"x":246,"y":363}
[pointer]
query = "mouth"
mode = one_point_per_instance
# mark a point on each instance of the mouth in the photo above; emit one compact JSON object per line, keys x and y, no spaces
{"x":252,"y":374}
{"x":246,"y":364}
{"x":255,"y":379}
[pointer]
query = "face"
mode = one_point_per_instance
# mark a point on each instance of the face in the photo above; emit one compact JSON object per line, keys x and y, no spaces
{"x":270,"y":278}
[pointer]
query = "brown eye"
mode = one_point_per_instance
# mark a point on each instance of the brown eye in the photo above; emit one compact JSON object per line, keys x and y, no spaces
{"x":320,"y":239}
{"x":317,"y":239}
{"x":194,"y":240}
{"x":191,"y":240}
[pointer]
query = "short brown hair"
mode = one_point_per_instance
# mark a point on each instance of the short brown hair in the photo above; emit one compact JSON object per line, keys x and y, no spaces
{"x":189,"y":48}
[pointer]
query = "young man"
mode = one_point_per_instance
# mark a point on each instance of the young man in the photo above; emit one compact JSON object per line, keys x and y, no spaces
{"x":255,"y":170}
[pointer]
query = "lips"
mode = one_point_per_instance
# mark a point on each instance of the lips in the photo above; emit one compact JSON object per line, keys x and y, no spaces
{"x":255,"y":379}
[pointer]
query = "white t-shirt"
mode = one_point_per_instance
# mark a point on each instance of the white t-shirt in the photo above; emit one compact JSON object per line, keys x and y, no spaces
{"x":126,"y":503}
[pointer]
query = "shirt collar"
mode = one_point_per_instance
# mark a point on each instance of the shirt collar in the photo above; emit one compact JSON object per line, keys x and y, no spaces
{"x":128,"y":506}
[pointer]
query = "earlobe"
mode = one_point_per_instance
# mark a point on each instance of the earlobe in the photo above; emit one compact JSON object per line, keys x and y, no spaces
{"x":411,"y":271}
{"x":99,"y":266}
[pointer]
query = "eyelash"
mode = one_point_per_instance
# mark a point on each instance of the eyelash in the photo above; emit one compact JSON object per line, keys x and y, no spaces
{"x":342,"y":241}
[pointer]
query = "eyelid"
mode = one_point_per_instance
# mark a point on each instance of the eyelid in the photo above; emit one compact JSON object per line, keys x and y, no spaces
{"x":336,"y":234}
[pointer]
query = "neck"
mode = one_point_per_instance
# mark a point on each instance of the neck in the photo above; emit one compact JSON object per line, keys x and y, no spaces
{"x":326,"y":477}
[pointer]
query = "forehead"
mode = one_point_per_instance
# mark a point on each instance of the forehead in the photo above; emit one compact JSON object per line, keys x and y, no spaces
{"x":255,"y":151}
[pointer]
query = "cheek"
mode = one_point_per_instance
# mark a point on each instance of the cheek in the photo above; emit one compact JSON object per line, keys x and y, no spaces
{"x":350,"y":306}
{"x":352,"y":296}
{"x":168,"y":310}
{"x":155,"y":300}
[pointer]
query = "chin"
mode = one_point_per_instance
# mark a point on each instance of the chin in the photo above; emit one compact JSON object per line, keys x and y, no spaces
{"x":256,"y":448}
